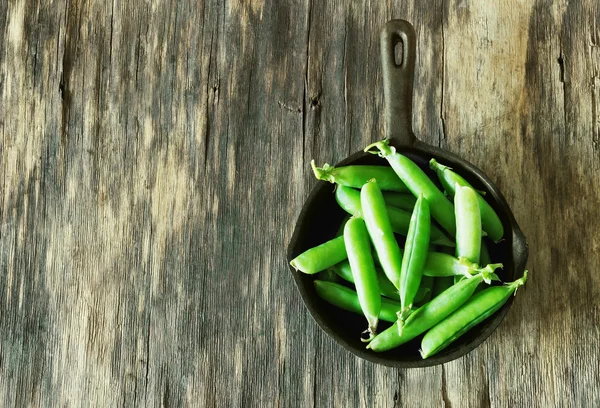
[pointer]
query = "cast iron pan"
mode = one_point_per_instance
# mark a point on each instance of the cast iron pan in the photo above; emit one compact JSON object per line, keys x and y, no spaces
{"x":321,"y":216}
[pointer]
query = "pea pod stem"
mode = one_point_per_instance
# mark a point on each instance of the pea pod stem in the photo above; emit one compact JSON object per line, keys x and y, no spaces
{"x":349,"y":200}
{"x":490,"y":221}
{"x":478,"y":308}
{"x":417,"y":182}
{"x":347,"y":299}
{"x":357,"y":176}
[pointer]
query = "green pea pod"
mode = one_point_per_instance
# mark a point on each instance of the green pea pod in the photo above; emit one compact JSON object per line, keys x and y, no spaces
{"x":418,"y":182}
{"x":386,"y":287}
{"x":439,"y":264}
{"x":447,"y":302}
{"x":321,"y":257}
{"x":468,"y":224}
{"x":415,"y":255}
{"x":349,"y":200}
{"x":347,"y":299}
{"x":357,"y":176}
{"x":380,"y":230}
{"x":489,"y":219}
{"x":358,"y":249}
{"x":474,"y":311}
{"x":442,"y":283}
{"x":402,"y":201}
{"x":429,"y":314}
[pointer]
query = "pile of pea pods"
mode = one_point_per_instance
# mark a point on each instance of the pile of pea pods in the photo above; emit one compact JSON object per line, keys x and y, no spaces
{"x":435,"y":282}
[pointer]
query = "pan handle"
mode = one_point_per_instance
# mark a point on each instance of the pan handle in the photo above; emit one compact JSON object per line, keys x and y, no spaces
{"x":398,"y":80}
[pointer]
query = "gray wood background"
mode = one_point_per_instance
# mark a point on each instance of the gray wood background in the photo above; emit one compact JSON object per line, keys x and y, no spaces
{"x":155,"y":157}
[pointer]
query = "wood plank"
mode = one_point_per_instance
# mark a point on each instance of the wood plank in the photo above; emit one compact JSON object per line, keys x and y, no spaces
{"x":155,"y":157}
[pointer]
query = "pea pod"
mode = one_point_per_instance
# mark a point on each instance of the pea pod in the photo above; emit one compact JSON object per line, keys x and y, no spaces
{"x":347,"y":299}
{"x":357,"y":176}
{"x":418,"y":182}
{"x":474,"y":311}
{"x":349,"y":199}
{"x":490,"y":221}
{"x":402,"y":201}
{"x":468,"y":224}
{"x":358,"y":249}
{"x":386,"y":287}
{"x":429,"y":314}
{"x":380,"y":230}
{"x":448,"y":301}
{"x":415,"y":255}
{"x":321,"y":257}
{"x":439,"y":264}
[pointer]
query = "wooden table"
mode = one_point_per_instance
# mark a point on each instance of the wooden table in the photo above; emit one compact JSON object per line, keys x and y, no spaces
{"x":155,"y":157}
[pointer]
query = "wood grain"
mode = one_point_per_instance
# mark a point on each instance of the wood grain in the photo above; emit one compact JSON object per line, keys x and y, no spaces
{"x":154,"y":159}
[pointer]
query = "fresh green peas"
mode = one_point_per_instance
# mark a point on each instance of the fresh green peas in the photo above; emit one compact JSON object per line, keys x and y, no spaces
{"x":448,"y":301}
{"x":418,"y":182}
{"x":386,"y":287}
{"x":358,"y":249}
{"x":439,"y":264}
{"x":402,"y":201}
{"x":347,"y":299}
{"x":428,"y":315}
{"x":474,"y":311}
{"x":380,"y":230}
{"x":489,"y":219}
{"x":357,"y":176}
{"x":349,"y":200}
{"x":468,"y":224}
{"x":321,"y":257}
{"x":415,"y":255}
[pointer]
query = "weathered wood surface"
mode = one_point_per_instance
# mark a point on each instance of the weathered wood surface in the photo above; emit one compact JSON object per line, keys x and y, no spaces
{"x":154,"y":158}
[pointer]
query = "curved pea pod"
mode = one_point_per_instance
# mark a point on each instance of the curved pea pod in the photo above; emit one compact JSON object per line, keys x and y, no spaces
{"x":321,"y":257}
{"x":474,"y":311}
{"x":402,"y":201}
{"x":468,"y":224}
{"x":361,"y":262}
{"x":439,"y":264}
{"x":357,"y":176}
{"x":429,"y":314}
{"x":349,"y":200}
{"x":340,"y":230}
{"x":418,"y":182}
{"x":380,"y":230}
{"x":489,"y":219}
{"x":415,"y":255}
{"x":387,"y":289}
{"x":347,"y":299}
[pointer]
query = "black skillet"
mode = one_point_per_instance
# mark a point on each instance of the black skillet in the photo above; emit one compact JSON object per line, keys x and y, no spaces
{"x":321,"y":216}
